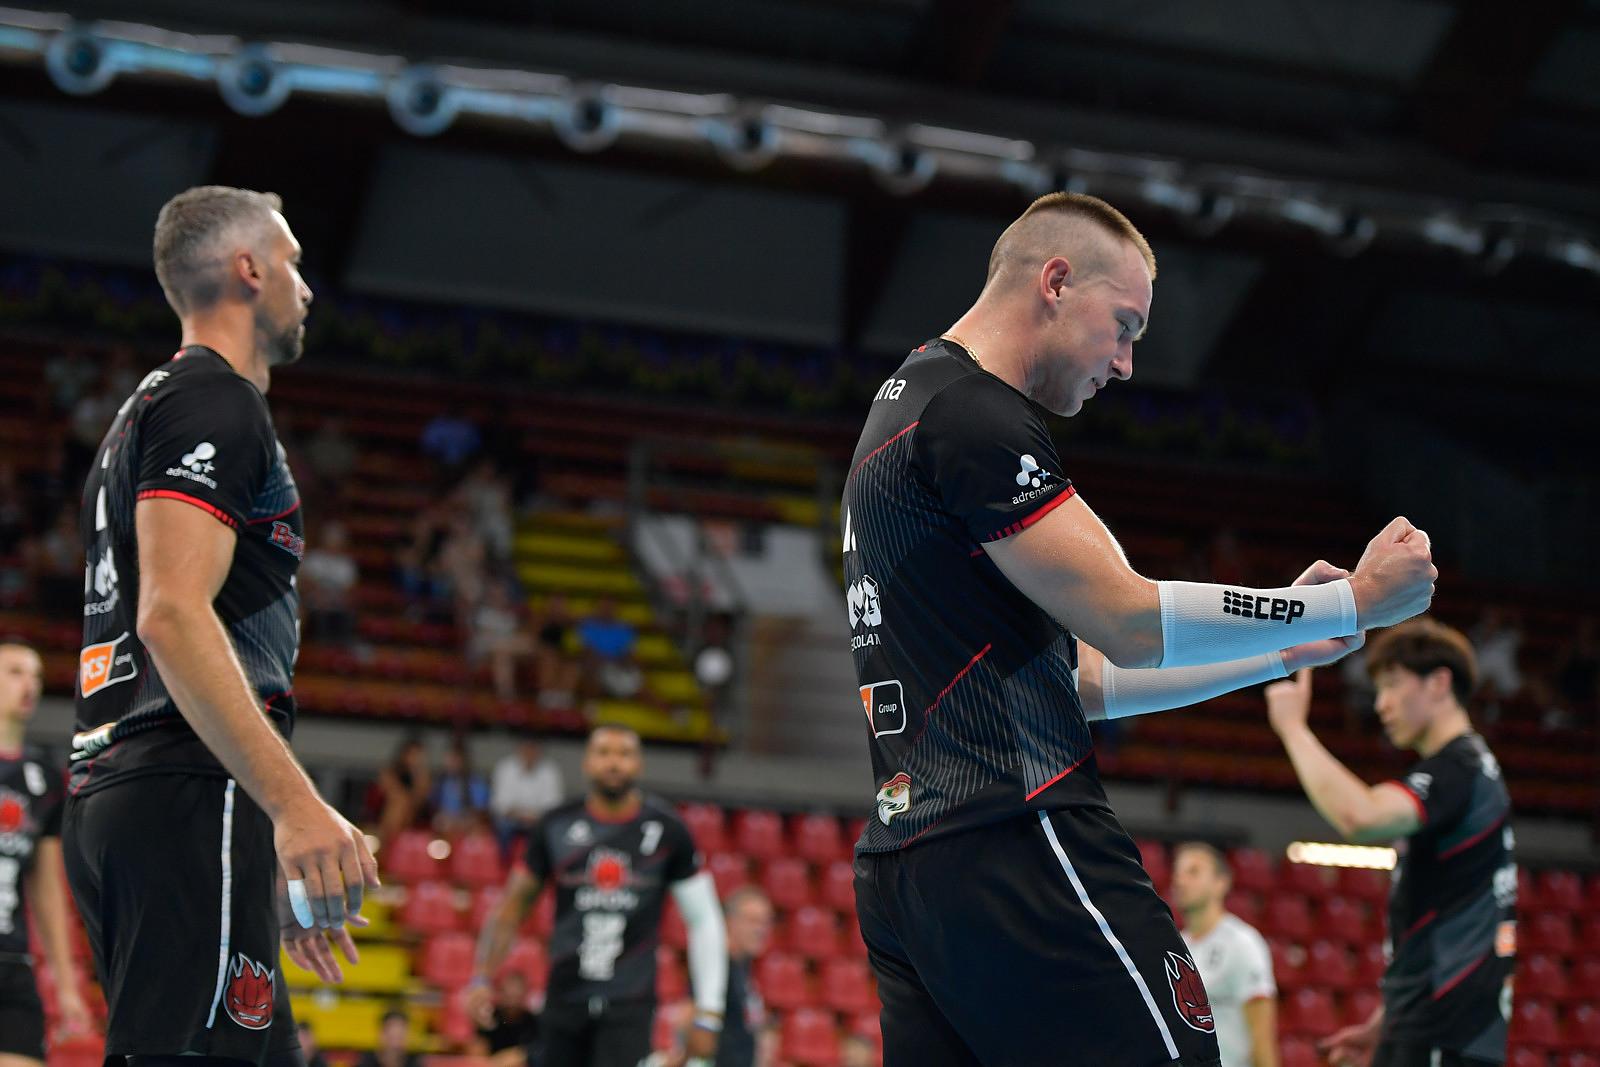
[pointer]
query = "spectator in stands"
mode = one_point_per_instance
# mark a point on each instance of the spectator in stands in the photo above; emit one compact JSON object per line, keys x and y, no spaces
{"x":487,"y":494}
{"x":393,"y":1035}
{"x":462,"y":563}
{"x":90,"y":416}
{"x":749,"y":1037}
{"x":497,"y":636}
{"x":415,"y":562}
{"x":1232,"y":957}
{"x":558,"y":672}
{"x":450,"y":440}
{"x":331,"y":454}
{"x":67,"y":377}
{"x":310,"y":1052}
{"x":608,"y":644}
{"x":1496,"y":641}
{"x":857,"y":1051}
{"x":512,"y":1028}
{"x":403,"y":788}
{"x":327,"y":582}
{"x":525,"y":785}
{"x":460,"y":797}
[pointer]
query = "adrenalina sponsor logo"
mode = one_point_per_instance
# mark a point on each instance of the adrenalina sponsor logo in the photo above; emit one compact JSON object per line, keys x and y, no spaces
{"x":196,"y":465}
{"x":1034,"y":476}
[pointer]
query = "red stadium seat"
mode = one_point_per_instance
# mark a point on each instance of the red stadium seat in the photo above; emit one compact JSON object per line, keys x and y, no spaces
{"x":475,"y":861}
{"x":782,"y":981}
{"x":708,"y":826}
{"x":1359,"y":1004}
{"x":1288,"y":917}
{"x":855,"y":947}
{"x":1246,"y":905}
{"x":1252,"y":870}
{"x":406,"y":859}
{"x":839,"y":887}
{"x":759,"y":835}
{"x":1299,"y":1052}
{"x":674,"y":934}
{"x":1533,"y":1024}
{"x":1309,"y":1012}
{"x":1542,"y":976}
{"x":853,"y":829}
{"x":527,"y":959}
{"x":1153,"y":854}
{"x":455,"y":1022}
{"x":814,"y":933}
{"x":1583,"y":1024}
{"x":1526,"y":1057}
{"x":1579,"y":1058}
{"x":1370,"y":886}
{"x":1591,"y":893}
{"x":1558,"y":891}
{"x":1548,"y":932}
{"x":1328,"y":964}
{"x":542,"y":919}
{"x":818,"y":839}
{"x":847,"y":987}
{"x":447,"y":960}
{"x":788,"y":882}
{"x":430,"y":908}
{"x":1306,"y":878}
{"x":729,"y":870}
{"x":1370,"y":963}
{"x":1589,"y":935}
{"x":810,"y":1040}
{"x":1343,"y":919}
{"x":1288,"y":964}
{"x":672,"y":980}
{"x":1585,"y":975}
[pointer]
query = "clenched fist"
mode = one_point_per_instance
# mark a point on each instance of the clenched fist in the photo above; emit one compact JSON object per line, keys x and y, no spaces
{"x":1394,"y":579}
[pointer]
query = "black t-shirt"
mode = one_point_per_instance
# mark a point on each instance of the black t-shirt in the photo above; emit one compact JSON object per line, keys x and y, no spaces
{"x":969,"y":688}
{"x":744,"y":1017}
{"x":1452,"y":907}
{"x":30,"y":808}
{"x":198,"y":433}
{"x":508,"y":1032}
{"x":611,"y":881}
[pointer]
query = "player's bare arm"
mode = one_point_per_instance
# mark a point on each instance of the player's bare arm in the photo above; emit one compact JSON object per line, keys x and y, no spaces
{"x":184,"y":558}
{"x":1069,"y":564}
{"x":1360,"y":812}
{"x":498,"y":933}
{"x":47,"y":893}
{"x":1261,"y":1016}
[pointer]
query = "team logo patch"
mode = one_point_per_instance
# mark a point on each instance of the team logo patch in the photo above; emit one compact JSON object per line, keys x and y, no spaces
{"x":1189,"y":994}
{"x":100,"y":665}
{"x":885,"y":705}
{"x":248,"y":997}
{"x":284,"y":537}
{"x":609,"y":869}
{"x":12,"y":812}
{"x":895,"y":797}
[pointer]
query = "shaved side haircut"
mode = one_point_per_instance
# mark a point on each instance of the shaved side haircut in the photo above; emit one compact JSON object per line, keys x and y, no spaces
{"x":1083,"y":228}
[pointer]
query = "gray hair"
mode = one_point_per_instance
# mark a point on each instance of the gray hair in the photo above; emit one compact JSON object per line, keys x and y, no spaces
{"x":190,"y":231}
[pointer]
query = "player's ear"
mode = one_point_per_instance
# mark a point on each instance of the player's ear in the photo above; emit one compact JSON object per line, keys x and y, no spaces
{"x":247,"y":269}
{"x":1054,"y":277}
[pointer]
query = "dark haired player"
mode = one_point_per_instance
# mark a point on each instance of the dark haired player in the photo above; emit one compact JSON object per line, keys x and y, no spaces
{"x":1452,"y":909}
{"x":185,"y":804}
{"x":1005,"y":911}
{"x":612,"y":856}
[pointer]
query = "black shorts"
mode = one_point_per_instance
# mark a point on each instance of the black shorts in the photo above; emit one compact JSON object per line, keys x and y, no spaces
{"x":617,"y":1036}
{"x":1409,"y":1054}
{"x":1038,"y":940}
{"x":21,"y":1014}
{"x":174,"y":877}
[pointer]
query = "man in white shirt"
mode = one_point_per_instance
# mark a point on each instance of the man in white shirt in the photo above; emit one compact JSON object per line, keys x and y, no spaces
{"x":1232,"y":958}
{"x":525,"y":785}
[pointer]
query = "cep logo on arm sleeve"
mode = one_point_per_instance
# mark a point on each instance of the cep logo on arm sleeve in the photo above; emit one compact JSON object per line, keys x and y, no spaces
{"x":1276,"y":609}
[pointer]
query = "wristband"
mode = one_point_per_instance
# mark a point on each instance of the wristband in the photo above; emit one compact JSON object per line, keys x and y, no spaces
{"x":1137,"y":692}
{"x":1203,"y":624}
{"x":708,"y":1021}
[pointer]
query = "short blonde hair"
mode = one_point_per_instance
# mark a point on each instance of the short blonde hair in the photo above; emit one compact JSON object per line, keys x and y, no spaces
{"x":1069,"y":206}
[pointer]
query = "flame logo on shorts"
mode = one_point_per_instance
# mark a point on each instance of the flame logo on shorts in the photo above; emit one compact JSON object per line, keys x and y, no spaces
{"x":1189,"y":994}
{"x":248,"y":997}
{"x":895,"y":797}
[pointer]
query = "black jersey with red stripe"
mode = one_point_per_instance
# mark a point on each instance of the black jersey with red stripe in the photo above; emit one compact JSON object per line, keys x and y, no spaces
{"x":199,"y":435}
{"x":30,"y":808}
{"x":969,"y":689}
{"x":1452,"y":907}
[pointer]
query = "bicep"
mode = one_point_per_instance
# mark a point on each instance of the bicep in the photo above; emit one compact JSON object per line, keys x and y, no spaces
{"x":185,"y":552}
{"x":1392,"y":812}
{"x":1069,"y":564}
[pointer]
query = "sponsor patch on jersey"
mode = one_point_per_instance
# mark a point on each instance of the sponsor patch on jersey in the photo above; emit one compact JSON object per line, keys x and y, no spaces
{"x":1505,"y":938}
{"x":284,"y":537}
{"x":101,"y":665}
{"x":885,"y":705}
{"x":895,"y":797}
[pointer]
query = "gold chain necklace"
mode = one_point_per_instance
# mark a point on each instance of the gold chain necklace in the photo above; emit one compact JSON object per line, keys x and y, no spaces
{"x":950,"y":336}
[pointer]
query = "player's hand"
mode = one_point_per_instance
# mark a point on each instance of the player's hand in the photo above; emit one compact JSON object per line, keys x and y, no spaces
{"x":1289,"y":702}
{"x":479,"y":1002}
{"x":313,"y":949}
{"x":700,"y":1045}
{"x":1394,"y":577}
{"x":1351,"y":1047}
{"x":325,"y":863}
{"x":1321,"y":653}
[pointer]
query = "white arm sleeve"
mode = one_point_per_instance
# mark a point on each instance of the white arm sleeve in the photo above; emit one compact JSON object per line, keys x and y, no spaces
{"x":708,"y":942}
{"x":1214,"y":624}
{"x":1138,"y":692}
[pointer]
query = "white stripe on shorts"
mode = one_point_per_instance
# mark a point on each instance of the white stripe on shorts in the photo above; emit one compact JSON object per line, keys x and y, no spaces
{"x":227,"y":902}
{"x":1105,"y":928}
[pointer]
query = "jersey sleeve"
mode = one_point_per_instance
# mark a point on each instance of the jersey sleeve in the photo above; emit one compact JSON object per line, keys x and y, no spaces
{"x":1255,"y":969}
{"x":1441,"y":789}
{"x":209,"y":444}
{"x":51,"y":804}
{"x":684,"y":858}
{"x":537,"y":856}
{"x":990,"y":458}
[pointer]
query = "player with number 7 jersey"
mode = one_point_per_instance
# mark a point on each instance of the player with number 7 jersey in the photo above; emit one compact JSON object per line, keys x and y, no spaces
{"x":611,"y":857}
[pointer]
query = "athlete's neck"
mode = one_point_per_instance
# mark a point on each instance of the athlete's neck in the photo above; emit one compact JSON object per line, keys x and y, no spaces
{"x":230,"y":332}
{"x":11,"y":734}
{"x":991,"y":337}
{"x":1200,"y":923}
{"x":1444,"y":729}
{"x":622,"y":809}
